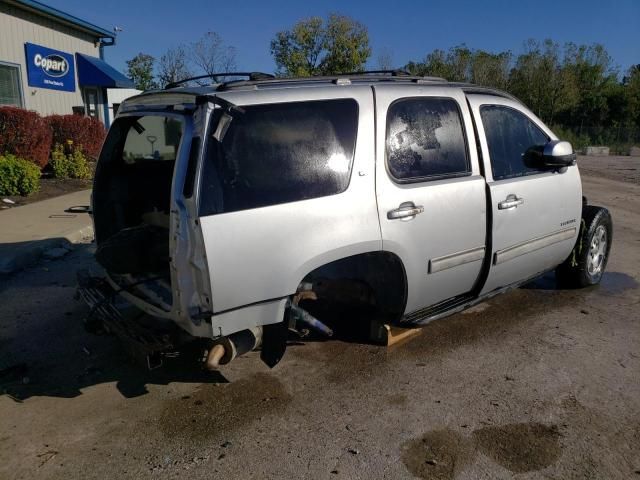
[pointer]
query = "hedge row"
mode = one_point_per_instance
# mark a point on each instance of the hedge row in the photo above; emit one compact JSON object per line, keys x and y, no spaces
{"x":25,"y":134}
{"x":18,"y":176}
{"x":86,"y":133}
{"x":28,"y":135}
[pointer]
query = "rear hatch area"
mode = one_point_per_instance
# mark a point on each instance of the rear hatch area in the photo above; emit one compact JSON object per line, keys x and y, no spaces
{"x":132,"y":205}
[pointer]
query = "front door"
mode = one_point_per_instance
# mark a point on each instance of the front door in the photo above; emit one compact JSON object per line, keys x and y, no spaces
{"x":535,"y":213}
{"x":431,"y":196}
{"x":91,"y":102}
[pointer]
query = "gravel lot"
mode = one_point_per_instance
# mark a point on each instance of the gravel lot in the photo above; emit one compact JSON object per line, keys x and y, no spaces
{"x":537,"y":383}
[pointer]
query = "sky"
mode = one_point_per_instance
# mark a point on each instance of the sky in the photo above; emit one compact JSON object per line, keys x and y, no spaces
{"x":406,"y":30}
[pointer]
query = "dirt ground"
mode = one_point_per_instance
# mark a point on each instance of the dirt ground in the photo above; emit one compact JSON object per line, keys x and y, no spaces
{"x":537,"y":383}
{"x":622,"y":168}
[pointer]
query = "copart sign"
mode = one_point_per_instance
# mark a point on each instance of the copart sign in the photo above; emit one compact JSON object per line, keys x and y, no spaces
{"x":48,"y":68}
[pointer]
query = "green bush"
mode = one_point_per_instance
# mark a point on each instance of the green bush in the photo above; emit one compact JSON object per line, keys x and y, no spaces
{"x":18,"y":176}
{"x":579,"y":142}
{"x":69,"y":165}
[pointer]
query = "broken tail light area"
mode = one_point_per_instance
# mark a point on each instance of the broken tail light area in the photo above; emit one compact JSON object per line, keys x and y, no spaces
{"x":148,"y":340}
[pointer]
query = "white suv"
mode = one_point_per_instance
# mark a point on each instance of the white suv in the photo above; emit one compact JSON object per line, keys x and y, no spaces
{"x":249,"y":208}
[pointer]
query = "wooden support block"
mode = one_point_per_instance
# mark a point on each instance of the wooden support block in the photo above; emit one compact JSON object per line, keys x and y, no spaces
{"x":384,"y":334}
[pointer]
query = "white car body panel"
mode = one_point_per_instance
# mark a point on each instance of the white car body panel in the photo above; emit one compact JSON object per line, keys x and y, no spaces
{"x":262,"y":254}
{"x":544,"y":228}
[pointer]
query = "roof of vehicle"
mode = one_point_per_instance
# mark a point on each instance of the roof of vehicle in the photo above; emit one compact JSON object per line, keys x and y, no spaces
{"x":260,"y":81}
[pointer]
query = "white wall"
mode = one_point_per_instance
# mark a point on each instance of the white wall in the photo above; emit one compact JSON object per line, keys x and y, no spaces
{"x":18,"y":27}
{"x":118,"y":95}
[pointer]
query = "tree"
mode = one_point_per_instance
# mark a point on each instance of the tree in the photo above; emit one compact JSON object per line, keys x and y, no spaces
{"x":573,"y":87}
{"x":435,"y":64}
{"x":211,"y":55}
{"x":346,"y":44}
{"x":140,"y":70}
{"x":491,"y":69}
{"x":297,"y":52}
{"x":541,"y":79}
{"x":631,"y":83}
{"x":173,"y":66}
{"x":385,"y":60}
{"x":315,"y":47}
{"x":454,"y":65}
{"x":590,"y":67}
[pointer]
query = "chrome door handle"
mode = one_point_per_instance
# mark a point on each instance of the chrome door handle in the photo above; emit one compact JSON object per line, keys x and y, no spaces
{"x":512,"y":201}
{"x":405,"y":210}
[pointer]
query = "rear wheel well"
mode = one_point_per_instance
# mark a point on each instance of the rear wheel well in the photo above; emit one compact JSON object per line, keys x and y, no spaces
{"x":354,"y":291}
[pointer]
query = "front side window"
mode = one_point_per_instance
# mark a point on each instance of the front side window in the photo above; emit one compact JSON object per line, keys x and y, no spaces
{"x":509,"y":134}
{"x":10,"y":87}
{"x":279,"y":153}
{"x":425,"y":139}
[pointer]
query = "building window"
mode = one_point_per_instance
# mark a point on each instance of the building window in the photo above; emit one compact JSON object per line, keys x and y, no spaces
{"x":10,"y":85}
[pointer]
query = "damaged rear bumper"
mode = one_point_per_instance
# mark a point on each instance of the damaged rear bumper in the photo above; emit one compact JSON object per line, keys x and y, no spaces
{"x":146,"y":339}
{"x":149,"y":339}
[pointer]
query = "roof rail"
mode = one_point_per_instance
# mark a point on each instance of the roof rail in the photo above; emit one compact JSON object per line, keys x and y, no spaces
{"x":252,"y":76}
{"x":394,"y":73}
{"x":340,"y":78}
{"x":470,"y":88}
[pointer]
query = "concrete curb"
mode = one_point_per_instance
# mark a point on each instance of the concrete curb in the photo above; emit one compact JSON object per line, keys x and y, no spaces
{"x":46,"y":228}
{"x":20,"y":257}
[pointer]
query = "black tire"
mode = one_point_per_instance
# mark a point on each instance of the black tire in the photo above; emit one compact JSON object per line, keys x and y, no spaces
{"x":589,"y":257}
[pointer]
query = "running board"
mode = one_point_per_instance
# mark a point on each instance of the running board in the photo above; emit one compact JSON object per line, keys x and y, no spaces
{"x":458,"y":304}
{"x":439,"y":310}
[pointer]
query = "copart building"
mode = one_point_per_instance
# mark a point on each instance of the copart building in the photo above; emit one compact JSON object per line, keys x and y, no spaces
{"x":53,"y":62}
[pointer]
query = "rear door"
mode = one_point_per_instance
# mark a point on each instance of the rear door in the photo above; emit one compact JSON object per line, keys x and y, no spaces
{"x":535,"y":213}
{"x":431,"y":196}
{"x":289,"y":188}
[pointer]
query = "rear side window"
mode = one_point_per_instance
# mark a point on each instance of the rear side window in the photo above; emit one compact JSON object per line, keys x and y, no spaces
{"x":425,"y":139}
{"x":279,"y":153}
{"x":509,"y":134}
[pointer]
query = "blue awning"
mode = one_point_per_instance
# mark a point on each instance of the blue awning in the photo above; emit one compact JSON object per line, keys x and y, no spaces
{"x":97,"y":73}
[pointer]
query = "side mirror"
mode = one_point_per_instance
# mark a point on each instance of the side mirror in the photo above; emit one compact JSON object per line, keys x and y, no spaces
{"x":558,"y":154}
{"x":555,"y":154}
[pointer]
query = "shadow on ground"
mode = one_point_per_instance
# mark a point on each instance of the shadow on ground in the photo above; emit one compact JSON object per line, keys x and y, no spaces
{"x":45,"y":350}
{"x":612,"y":283}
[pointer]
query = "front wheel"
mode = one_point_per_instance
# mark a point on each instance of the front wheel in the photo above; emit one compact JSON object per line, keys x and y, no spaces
{"x":587,"y":262}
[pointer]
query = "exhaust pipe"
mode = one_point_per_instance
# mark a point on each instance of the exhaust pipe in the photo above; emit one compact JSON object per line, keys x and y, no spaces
{"x":302,"y":316}
{"x":227,"y":348}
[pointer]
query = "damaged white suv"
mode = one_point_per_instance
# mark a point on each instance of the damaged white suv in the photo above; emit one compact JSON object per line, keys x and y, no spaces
{"x":248,"y":209}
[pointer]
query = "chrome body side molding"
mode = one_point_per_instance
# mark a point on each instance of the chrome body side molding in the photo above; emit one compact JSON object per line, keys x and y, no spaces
{"x":510,"y":253}
{"x":455,"y":259}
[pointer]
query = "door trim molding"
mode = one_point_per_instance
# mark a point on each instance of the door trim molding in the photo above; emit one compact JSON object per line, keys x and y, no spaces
{"x":456,"y":259}
{"x":509,"y":253}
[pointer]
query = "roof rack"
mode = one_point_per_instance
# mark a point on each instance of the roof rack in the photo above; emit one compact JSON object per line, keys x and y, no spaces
{"x":482,"y":90}
{"x":394,"y":73}
{"x":252,"y":76}
{"x":340,"y":79}
{"x":258,"y":78}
